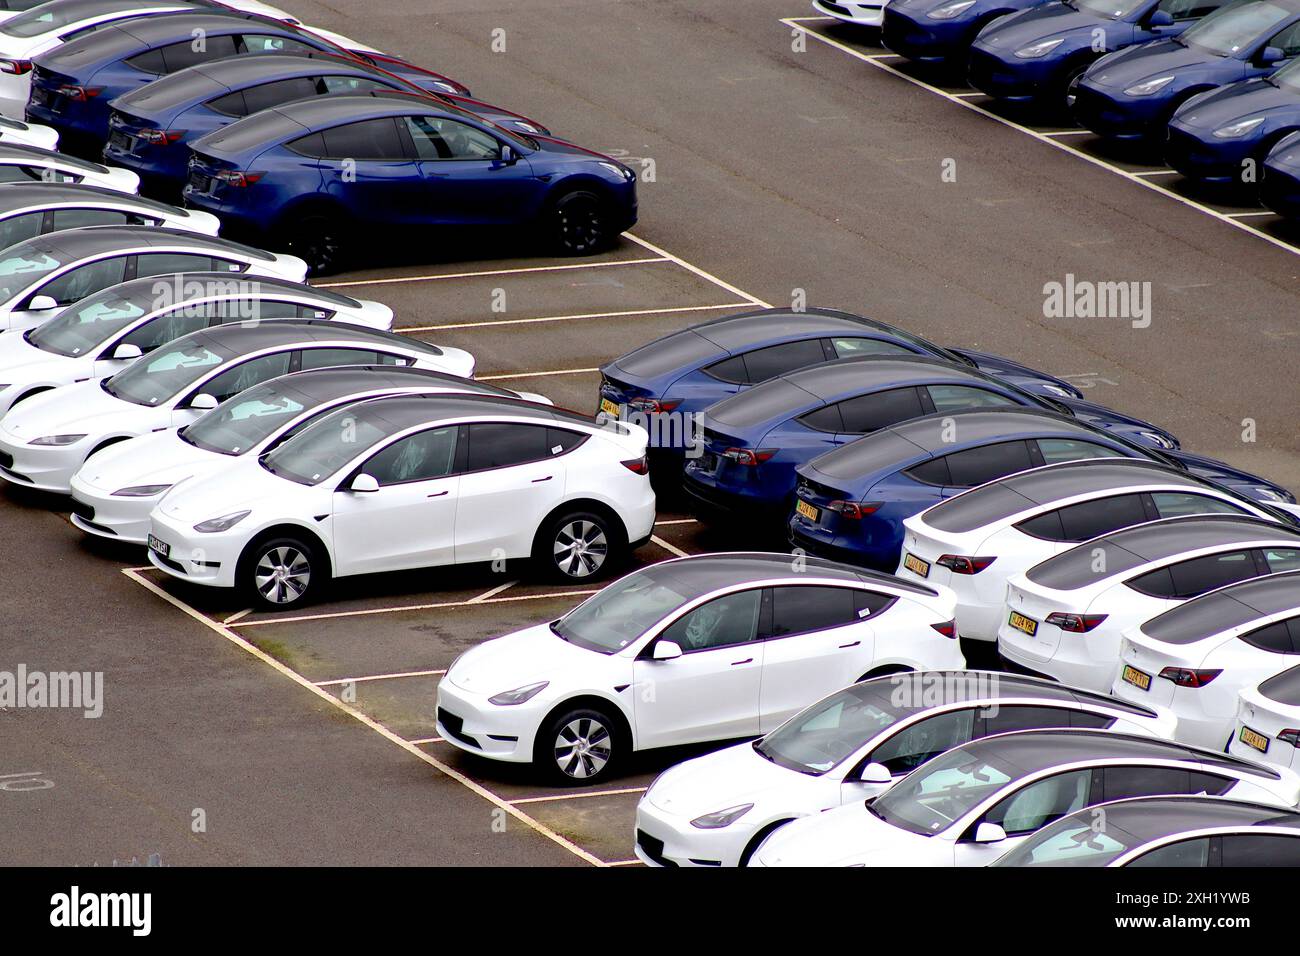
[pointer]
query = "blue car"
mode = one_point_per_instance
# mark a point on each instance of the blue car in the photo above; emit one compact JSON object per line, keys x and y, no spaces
{"x":320,"y":175}
{"x":1035,"y":55}
{"x":1279,"y":189}
{"x":73,"y":84}
{"x":150,"y":129}
{"x":851,"y":501}
{"x":1133,"y":93}
{"x":942,"y":31}
{"x":1218,"y":136}
{"x":753,"y":441}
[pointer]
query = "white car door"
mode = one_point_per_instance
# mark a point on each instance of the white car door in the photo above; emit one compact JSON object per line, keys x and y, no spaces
{"x":409,"y":522}
{"x":1024,"y":812}
{"x":711,"y":691}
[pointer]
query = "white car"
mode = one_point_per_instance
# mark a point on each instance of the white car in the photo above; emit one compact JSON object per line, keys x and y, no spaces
{"x":979,"y":801}
{"x":103,"y":333}
{"x":41,"y":276}
{"x":412,"y":482}
{"x":1268,"y":721}
{"x":114,"y":492}
{"x":45,"y":439}
{"x":28,"y":134}
{"x":1064,"y":618}
{"x":28,"y":210}
{"x":853,"y":745}
{"x":20,"y":163}
{"x":1192,"y":662}
{"x":1166,"y":832}
{"x":852,"y":11}
{"x":709,"y":647}
{"x":975,"y":541}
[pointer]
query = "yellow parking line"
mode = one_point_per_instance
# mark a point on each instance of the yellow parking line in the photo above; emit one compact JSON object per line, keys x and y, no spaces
{"x":580,"y":796}
{"x":372,"y":677}
{"x":365,"y":612}
{"x":491,"y":272}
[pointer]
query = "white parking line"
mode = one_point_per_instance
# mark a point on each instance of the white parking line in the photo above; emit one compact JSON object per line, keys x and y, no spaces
{"x":563,"y":371}
{"x":579,"y":796}
{"x":372,"y":677}
{"x":1251,"y":215}
{"x":691,"y":267}
{"x":1063,"y":132}
{"x":427,"y":740}
{"x":670,"y":548}
{"x":367,"y":721}
{"x":238,"y":615}
{"x":569,"y":318}
{"x":1157,"y":172}
{"x":793,"y":23}
{"x":668,"y":521}
{"x":366,"y":612}
{"x":492,"y":593}
{"x":396,"y":280}
{"x":626,"y":863}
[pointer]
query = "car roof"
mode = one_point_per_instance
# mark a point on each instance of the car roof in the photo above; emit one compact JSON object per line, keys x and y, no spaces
{"x":1034,"y":750}
{"x":405,"y":411}
{"x":1151,"y":818}
{"x":321,"y":385}
{"x":1142,"y":544}
{"x":1283,"y":688}
{"x":239,"y":338}
{"x":1226,"y":608}
{"x":709,"y":572}
{"x":73,"y":10}
{"x":830,"y":379}
{"x":980,"y":685}
{"x":21,"y":195}
{"x":194,"y":285}
{"x":89,"y":240}
{"x":20,"y":153}
{"x":999,"y":500}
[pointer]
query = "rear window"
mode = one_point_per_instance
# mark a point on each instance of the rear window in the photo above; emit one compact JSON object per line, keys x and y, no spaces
{"x":676,"y":352}
{"x":1284,"y":688}
{"x":761,"y":404}
{"x":976,"y":508}
{"x":866,"y":455}
{"x":1084,"y":565}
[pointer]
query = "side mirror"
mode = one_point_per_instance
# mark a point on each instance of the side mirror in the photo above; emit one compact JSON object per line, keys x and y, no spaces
{"x":42,"y":303}
{"x":202,"y":402}
{"x":875,"y":773}
{"x":667,"y":650}
{"x":364,"y":484}
{"x":1161,"y":18}
{"x":508,"y":155}
{"x":989,"y":833}
{"x":1271,"y":55}
{"x":127,"y":352}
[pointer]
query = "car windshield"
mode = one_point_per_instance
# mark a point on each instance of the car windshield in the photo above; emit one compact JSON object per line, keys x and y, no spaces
{"x":831,"y":730}
{"x":933,"y":797}
{"x":25,"y":264}
{"x":42,"y":19}
{"x":1110,"y":9}
{"x":621,"y":613}
{"x":1228,"y":30}
{"x":1287,"y":78}
{"x":248,"y":419}
{"x":85,"y":325}
{"x":1071,"y":841}
{"x":324,"y":447}
{"x":163,"y":374}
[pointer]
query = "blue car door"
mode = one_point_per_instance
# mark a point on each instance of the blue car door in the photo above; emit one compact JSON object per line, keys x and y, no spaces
{"x":463,"y":178}
{"x":368,"y":168}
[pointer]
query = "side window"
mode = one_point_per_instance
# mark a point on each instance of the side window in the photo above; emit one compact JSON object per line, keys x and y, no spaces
{"x":1119,"y":783}
{"x":312,"y":145}
{"x":1282,"y":559}
{"x":730,"y":370}
{"x":1043,"y":801}
{"x":932,"y":472}
{"x":1186,"y":9}
{"x":325,"y":358}
{"x":282,"y":91}
{"x":227,"y":265}
{"x":975,"y":466}
{"x":1184,"y":853}
{"x":925,"y":740}
{"x":181,"y":56}
{"x":17,"y":228}
{"x":419,"y":457}
{"x":1086,"y":718}
{"x":252,"y":310}
{"x":1288,"y":40}
{"x":164,"y":328}
{"x":387,"y":358}
{"x":1276,"y":638}
{"x":1015,"y":717}
{"x":797,"y":609}
{"x":375,"y":139}
{"x":1212,"y":571}
{"x":948,"y":397}
{"x":253,"y":372}
{"x":1176,"y":504}
{"x":150,"y":61}
{"x":762,"y":364}
{"x":722,"y":622}
{"x":866,"y":413}
{"x":350,"y":84}
{"x":165,"y":263}
{"x":825,"y":419}
{"x":76,"y":218}
{"x":1061,"y":449}
{"x":846,"y":347}
{"x":84,"y":280}
{"x":45,"y":174}
{"x":870,"y":603}
{"x":438,"y":138}
{"x":232,"y":104}
{"x":262,"y":43}
{"x":1261,"y":849}
{"x":498,"y":445}
{"x":1088,"y":519}
{"x":560,"y":440}
{"x":1046,"y":526}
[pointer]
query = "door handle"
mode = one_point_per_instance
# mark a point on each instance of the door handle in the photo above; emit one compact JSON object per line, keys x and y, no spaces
{"x":854,"y":644}
{"x":747,"y":660}
{"x":436,"y":494}
{"x":539,"y":480}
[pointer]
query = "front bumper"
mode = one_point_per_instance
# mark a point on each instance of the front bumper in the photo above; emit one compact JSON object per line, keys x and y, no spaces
{"x":1118,"y":116}
{"x":468,"y":721}
{"x":208,"y":559}
{"x":1019,"y":81}
{"x":1215,"y":161}
{"x":664,"y":839}
{"x":99,"y":512}
{"x":851,"y":11}
{"x":1279,"y":190}
{"x":47,"y":468}
{"x":922,"y":39}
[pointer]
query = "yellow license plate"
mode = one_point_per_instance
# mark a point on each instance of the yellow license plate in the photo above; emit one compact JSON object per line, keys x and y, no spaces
{"x":1022,"y":623}
{"x":808,"y":511}
{"x":916,"y":565}
{"x":1253,"y":738}
{"x":1137,"y":678}
{"x":609,"y":408}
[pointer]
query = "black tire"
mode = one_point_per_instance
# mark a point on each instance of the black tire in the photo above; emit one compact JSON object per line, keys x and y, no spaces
{"x":579,"y":746}
{"x":757,"y":840}
{"x":1060,"y":102}
{"x":280,"y":572}
{"x":320,"y":240}
{"x":579,"y":546}
{"x":578,"y":224}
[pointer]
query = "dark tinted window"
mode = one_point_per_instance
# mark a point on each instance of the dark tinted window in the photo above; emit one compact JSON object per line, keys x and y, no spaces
{"x":163,"y":329}
{"x":1040,"y":803}
{"x":282,"y":91}
{"x":1190,"y":578}
{"x":871,"y":602}
{"x":826,"y":419}
{"x":559,"y":440}
{"x":1024,"y":717}
{"x":1262,"y":849}
{"x":762,"y":364}
{"x":150,"y":61}
{"x":417,"y":457}
{"x":254,"y":372}
{"x":1086,"y":718}
{"x":438,"y":138}
{"x":232,"y":104}
{"x":76,"y":218}
{"x":722,"y":622}
{"x":846,"y":346}
{"x":352,"y":84}
{"x":165,"y":263}
{"x":187,"y":53}
{"x":800,"y":608}
{"x":866,"y":413}
{"x":312,"y":145}
{"x":1176,"y":504}
{"x":83,"y":280}
{"x":925,"y":739}
{"x":1119,"y":783}
{"x":1282,"y":559}
{"x":265,"y":43}
{"x":730,"y":370}
{"x":1046,"y":526}
{"x":369,"y":139}
{"x":497,"y":445}
{"x":324,"y":358}
{"x":1185,"y":853}
{"x":246,"y":310}
{"x":932,"y":472}
{"x":974,"y":466}
{"x":1062,"y":449}
{"x":17,"y":228}
{"x":1280,"y":637}
{"x":1088,"y":519}
{"x":948,"y":397}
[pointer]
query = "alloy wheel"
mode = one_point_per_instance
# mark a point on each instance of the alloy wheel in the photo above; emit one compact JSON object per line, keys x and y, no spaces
{"x":580,"y":548}
{"x":583,"y":748}
{"x":282,"y":575}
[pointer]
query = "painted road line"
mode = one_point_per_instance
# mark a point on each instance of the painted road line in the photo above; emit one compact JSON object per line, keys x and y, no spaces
{"x":427,"y":740}
{"x":444,"y":605}
{"x":492,"y":593}
{"x":580,"y":796}
{"x":570,"y":318}
{"x":670,"y":548}
{"x":374,"y":677}
{"x":691,"y":267}
{"x":563,"y":371}
{"x":668,"y":521}
{"x":487,"y":273}
{"x":238,"y":615}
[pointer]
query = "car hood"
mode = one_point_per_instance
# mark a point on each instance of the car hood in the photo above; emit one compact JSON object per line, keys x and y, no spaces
{"x":851,"y":835}
{"x":716,"y":781}
{"x":1222,"y":472}
{"x":242,"y":486}
{"x":1233,"y":102}
{"x":1022,"y":375}
{"x":1121,"y":70}
{"x":1037,"y":23}
{"x":20,"y":360}
{"x":160,"y":458}
{"x":1104,"y":417}
{"x":525,"y":657}
{"x":82,"y":408}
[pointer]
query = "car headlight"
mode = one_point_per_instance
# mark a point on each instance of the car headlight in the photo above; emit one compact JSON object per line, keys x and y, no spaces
{"x":621,"y":171}
{"x":721,"y":818}
{"x":1147,"y":87}
{"x":56,"y":440}
{"x":1042,"y":48}
{"x":140,"y":491}
{"x":519,"y":695}
{"x":224,"y":523}
{"x":950,"y":10}
{"x":1226,"y":132}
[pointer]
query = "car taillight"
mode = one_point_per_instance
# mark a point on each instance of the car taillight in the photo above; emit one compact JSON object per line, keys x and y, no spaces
{"x":638,"y":466}
{"x":854,"y":510}
{"x":749,"y":456}
{"x":80,"y":93}
{"x":15,"y":67}
{"x":1186,"y":677}
{"x":1291,"y":737}
{"x":160,"y":137}
{"x":963,"y":564}
{"x":947,"y":628}
{"x":653,"y":406}
{"x":1075,"y":623}
{"x":233,"y":177}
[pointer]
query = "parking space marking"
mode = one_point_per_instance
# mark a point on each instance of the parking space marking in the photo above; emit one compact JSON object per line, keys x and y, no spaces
{"x":372,"y":677}
{"x":703,"y":274}
{"x":626,"y":863}
{"x":428,"y":740}
{"x":670,"y":548}
{"x":563,"y":371}
{"x":238,"y":615}
{"x":549,"y":798}
{"x":365,"y":612}
{"x":1157,"y":172}
{"x":796,"y":23}
{"x":573,"y":317}
{"x":366,"y":721}
{"x":397,"y":280}
{"x":491,"y":593}
{"x":669,"y":521}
